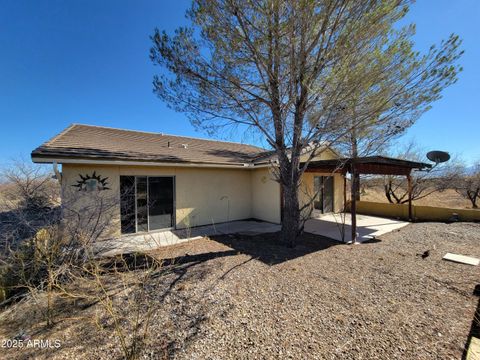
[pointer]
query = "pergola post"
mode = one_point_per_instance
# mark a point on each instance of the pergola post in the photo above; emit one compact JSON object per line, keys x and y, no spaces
{"x":345,"y":192}
{"x":410,"y":212}
{"x":353,"y":204}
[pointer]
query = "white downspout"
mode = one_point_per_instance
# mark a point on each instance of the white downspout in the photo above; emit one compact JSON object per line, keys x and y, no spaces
{"x":58,"y":175}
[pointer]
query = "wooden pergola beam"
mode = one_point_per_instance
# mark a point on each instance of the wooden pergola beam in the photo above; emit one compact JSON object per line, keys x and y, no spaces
{"x":381,"y":169}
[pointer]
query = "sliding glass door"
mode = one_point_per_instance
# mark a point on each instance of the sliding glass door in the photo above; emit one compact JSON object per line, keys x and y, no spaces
{"x":323,"y":188}
{"x":327,"y":194}
{"x":127,"y":204}
{"x":146,"y":203}
{"x":160,"y":202}
{"x":142,"y":202}
{"x":318,"y":190}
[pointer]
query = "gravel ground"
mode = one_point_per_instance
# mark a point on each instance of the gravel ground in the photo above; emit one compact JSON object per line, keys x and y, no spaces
{"x":245,"y":297}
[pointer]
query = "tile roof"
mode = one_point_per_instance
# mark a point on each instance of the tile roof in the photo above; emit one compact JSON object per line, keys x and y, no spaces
{"x":101,"y":143}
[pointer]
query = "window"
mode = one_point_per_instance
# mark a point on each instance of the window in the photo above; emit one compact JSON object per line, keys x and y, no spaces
{"x":160,"y":202}
{"x":146,"y":203}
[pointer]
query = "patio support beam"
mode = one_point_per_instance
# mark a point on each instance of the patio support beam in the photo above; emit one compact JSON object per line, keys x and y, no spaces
{"x":353,"y":204}
{"x":410,"y":212}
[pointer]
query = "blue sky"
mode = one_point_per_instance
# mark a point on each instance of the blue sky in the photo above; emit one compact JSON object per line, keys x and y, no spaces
{"x":86,"y":61}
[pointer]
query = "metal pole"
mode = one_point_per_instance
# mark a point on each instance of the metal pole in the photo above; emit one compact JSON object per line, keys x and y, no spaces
{"x":410,"y":212}
{"x":353,"y":205}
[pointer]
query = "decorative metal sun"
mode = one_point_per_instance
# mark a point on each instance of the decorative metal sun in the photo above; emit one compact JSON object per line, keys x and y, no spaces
{"x":92,"y":183}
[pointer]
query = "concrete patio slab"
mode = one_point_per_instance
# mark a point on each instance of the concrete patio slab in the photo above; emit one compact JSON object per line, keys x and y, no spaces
{"x":335,"y":225}
{"x":156,"y":239}
{"x":328,"y":225}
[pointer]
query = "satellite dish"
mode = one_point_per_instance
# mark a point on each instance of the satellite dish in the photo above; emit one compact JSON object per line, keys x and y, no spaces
{"x":438,"y":156}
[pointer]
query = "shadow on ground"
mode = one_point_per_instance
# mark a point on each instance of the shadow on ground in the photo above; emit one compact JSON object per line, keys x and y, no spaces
{"x":142,"y":261}
{"x":270,"y":250}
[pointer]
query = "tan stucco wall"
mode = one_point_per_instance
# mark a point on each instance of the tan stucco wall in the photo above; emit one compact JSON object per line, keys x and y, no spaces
{"x":203,"y":195}
{"x":86,"y":209}
{"x":422,"y":213}
{"x":265,"y":196}
{"x":322,"y":154}
{"x":306,"y":191}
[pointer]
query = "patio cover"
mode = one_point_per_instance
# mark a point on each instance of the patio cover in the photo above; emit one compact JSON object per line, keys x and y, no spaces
{"x":371,"y":165}
{"x":368,"y":165}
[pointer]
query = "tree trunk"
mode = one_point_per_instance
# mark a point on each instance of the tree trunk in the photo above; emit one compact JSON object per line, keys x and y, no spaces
{"x":291,"y":215}
{"x":356,"y":176}
{"x":388,"y":187}
{"x":357,"y":187}
{"x":472,"y":196}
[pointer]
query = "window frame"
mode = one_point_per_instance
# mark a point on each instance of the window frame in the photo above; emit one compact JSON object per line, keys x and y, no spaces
{"x":174,"y":204}
{"x":321,"y":193}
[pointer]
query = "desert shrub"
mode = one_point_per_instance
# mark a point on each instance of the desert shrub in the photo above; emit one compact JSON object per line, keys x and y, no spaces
{"x":31,"y":187}
{"x":29,"y":201}
{"x":50,"y":253}
{"x":34,"y":266}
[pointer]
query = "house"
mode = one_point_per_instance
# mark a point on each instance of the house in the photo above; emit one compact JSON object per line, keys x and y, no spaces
{"x":158,"y":181}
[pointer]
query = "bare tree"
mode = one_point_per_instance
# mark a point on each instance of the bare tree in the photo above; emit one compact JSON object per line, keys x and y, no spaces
{"x":29,"y":200}
{"x":279,"y":69}
{"x":424,"y":183}
{"x":31,"y":185}
{"x":467,"y":183}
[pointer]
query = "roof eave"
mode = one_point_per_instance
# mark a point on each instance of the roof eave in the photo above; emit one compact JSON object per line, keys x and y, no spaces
{"x":50,"y":159}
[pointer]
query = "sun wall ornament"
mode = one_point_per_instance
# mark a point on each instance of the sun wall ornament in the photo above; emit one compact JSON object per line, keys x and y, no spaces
{"x":91,"y":183}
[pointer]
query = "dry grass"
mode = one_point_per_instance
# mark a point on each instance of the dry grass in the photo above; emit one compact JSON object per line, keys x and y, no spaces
{"x":448,"y":198}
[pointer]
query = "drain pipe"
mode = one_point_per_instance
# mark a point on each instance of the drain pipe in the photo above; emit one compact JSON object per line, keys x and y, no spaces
{"x":58,"y":175}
